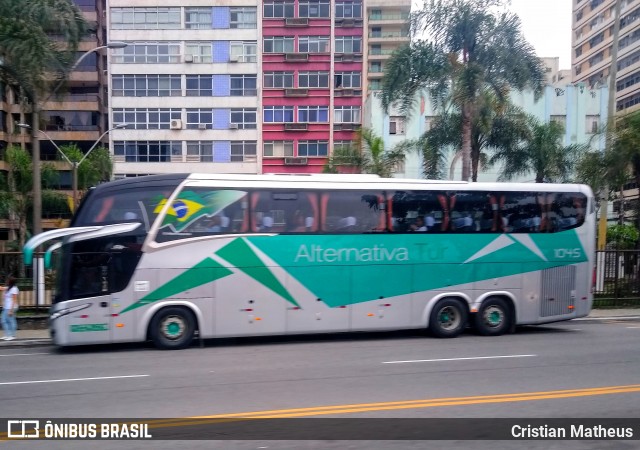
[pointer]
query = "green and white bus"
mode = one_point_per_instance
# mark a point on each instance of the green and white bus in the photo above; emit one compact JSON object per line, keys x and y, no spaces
{"x":173,"y":257}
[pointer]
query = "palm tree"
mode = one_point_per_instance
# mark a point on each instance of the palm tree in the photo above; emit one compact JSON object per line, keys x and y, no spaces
{"x":498,"y":125}
{"x":33,"y":62}
{"x":540,"y":153}
{"x":473,"y":49}
{"x":367,"y":155}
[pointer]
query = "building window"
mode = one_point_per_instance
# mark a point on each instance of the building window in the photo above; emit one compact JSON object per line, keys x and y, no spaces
{"x":145,"y":18}
{"x":198,"y":18}
{"x":596,"y":59}
{"x":348,"y":44}
{"x":396,"y":125}
{"x":592,"y":124}
{"x":629,"y":39}
{"x":313,"y":44}
{"x":243,"y":17}
{"x":200,"y":150}
{"x":277,"y":148}
{"x":313,"y":114}
{"x":313,"y":79}
{"x":245,"y":118}
{"x":146,"y":86}
{"x":243,"y":86}
{"x":278,"y":9}
{"x":629,"y":60}
{"x":375,"y":85}
{"x":628,"y":81}
{"x":147,"y":53}
{"x":348,"y":79}
{"x":314,"y":8}
{"x":278,"y":79}
{"x":278,"y":44}
{"x":350,"y":10}
{"x":147,"y":151}
{"x":313,"y":148}
{"x":199,"y":85}
{"x":597,"y":39}
{"x":146,"y":118}
{"x":562,"y":120}
{"x":342,"y":145}
{"x":243,"y":151}
{"x":201,"y":52}
{"x":429,"y":122}
{"x":278,"y":114}
{"x":346,"y":114}
{"x":244,"y":51}
{"x":628,"y":102}
{"x":199,"y":117}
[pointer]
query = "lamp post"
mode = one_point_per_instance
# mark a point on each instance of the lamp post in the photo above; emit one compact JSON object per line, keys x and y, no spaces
{"x":35,"y":142}
{"x":74,"y":164}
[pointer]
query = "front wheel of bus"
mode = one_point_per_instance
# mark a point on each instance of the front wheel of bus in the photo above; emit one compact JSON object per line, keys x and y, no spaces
{"x":448,"y":318}
{"x":493,"y":318}
{"x":172,"y":328}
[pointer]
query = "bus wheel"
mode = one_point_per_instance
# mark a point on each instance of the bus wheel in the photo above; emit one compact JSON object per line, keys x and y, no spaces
{"x":172,"y":328}
{"x":448,"y":318}
{"x":494,"y":317}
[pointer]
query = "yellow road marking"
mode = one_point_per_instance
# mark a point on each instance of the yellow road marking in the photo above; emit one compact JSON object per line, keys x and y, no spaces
{"x":386,"y":406}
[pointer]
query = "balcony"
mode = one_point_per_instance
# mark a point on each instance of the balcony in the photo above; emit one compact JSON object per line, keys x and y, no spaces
{"x":348,"y":22}
{"x":347,"y":92}
{"x":388,"y":36}
{"x":376,"y":53}
{"x":380,"y":19}
{"x":348,"y":57}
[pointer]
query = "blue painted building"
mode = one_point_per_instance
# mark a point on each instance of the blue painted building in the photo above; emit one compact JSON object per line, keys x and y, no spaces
{"x":582,"y":111}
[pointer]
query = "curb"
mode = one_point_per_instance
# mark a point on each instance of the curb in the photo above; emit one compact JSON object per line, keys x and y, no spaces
{"x":27,"y":343}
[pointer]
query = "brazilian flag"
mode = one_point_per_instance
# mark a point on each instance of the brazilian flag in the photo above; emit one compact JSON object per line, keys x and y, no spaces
{"x":189,"y":206}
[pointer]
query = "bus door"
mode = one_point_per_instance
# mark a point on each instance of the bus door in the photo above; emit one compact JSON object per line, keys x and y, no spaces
{"x":89,"y":296}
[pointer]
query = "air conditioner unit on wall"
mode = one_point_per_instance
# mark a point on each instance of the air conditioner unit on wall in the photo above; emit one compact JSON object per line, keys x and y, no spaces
{"x":234,"y":59}
{"x":188,"y":58}
{"x":202,"y":126}
{"x":175,"y":124}
{"x":233,"y":126}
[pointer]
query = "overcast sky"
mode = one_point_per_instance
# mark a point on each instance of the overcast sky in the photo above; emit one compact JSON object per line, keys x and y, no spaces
{"x":547,"y":26}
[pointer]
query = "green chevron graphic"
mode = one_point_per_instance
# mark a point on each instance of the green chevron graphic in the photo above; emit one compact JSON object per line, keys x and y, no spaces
{"x":204,"y":272}
{"x":239,"y":254}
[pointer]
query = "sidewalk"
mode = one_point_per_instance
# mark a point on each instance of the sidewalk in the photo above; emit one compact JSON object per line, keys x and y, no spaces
{"x":41,"y":337}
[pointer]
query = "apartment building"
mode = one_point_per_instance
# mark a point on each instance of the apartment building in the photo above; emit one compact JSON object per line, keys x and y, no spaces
{"x":312,"y":83}
{"x":387,"y":24}
{"x":186,"y":85}
{"x":591,"y":47}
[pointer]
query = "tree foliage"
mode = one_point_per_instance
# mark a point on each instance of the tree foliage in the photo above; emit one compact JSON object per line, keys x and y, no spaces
{"x":541,"y":152}
{"x":473,"y":48}
{"x":366,"y":155}
{"x":29,"y":58}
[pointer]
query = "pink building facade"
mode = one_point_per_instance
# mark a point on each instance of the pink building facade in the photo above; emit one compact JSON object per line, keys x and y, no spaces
{"x":312,"y":64}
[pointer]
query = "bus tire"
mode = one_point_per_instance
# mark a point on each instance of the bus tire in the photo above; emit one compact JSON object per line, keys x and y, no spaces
{"x":172,"y":328}
{"x":494,"y":317}
{"x":448,"y":318}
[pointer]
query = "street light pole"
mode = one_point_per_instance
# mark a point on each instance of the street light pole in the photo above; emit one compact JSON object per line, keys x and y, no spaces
{"x":35,"y":142}
{"x":74,"y":164}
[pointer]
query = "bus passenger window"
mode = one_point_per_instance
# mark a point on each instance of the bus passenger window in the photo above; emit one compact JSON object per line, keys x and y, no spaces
{"x":284,"y":211}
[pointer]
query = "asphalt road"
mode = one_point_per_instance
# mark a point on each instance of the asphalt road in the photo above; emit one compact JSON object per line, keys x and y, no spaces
{"x":567,"y":370}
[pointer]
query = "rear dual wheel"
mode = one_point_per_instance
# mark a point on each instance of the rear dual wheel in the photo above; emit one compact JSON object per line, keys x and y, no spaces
{"x":494,"y":317}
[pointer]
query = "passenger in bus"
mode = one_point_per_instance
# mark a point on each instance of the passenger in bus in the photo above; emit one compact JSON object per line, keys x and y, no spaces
{"x":298,"y":223}
{"x":267,"y":224}
{"x":419,"y":225}
{"x":214,"y":225}
{"x":347,"y":223}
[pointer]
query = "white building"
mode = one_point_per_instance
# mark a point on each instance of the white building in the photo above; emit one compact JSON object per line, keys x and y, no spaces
{"x":186,"y":85}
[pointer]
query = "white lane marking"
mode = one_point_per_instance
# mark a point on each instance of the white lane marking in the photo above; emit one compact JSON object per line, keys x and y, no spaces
{"x":458,"y":359}
{"x":73,"y":379}
{"x":25,"y":354}
{"x":609,"y":318}
{"x":633,"y":327}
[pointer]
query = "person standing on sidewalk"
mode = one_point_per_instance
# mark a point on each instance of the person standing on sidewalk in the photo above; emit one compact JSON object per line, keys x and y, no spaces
{"x":9,"y":309}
